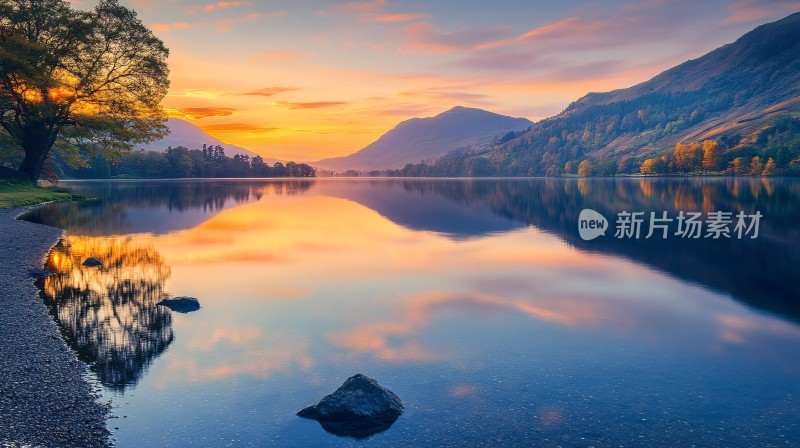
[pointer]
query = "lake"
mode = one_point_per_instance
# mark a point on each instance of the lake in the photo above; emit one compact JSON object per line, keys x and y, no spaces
{"x":476,"y":301}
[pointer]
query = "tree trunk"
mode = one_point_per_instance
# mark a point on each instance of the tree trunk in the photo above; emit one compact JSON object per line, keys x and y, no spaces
{"x":36,"y":150}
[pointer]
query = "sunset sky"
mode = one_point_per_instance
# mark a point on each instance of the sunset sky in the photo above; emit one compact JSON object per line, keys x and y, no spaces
{"x":305,"y":80}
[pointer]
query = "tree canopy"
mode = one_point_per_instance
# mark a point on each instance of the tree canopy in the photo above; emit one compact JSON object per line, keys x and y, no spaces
{"x":87,"y":83}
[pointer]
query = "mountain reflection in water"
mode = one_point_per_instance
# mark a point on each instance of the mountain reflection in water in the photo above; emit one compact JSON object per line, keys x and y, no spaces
{"x":470,"y":295}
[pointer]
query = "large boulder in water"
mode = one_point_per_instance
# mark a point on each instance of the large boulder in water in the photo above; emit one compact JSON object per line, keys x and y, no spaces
{"x":359,"y":408}
{"x":181,"y":304}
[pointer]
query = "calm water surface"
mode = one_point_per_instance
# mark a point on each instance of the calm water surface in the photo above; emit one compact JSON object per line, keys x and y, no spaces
{"x":475,"y":301}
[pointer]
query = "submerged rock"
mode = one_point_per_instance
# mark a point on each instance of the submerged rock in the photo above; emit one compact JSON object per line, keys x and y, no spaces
{"x":181,"y":304}
{"x":92,"y":262}
{"x":359,"y":408}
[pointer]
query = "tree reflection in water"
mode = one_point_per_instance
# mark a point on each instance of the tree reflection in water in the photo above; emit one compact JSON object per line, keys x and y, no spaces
{"x":108,"y":314}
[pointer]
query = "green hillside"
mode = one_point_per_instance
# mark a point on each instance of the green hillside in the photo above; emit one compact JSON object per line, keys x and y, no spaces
{"x":744,"y":96}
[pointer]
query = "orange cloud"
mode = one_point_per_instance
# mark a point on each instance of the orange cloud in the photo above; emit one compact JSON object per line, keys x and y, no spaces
{"x":270,"y":91}
{"x":570,"y":27}
{"x":222,"y":5}
{"x":237,"y":127}
{"x":196,"y":113}
{"x":167,"y":27}
{"x":199,"y":93}
{"x":308,"y":105}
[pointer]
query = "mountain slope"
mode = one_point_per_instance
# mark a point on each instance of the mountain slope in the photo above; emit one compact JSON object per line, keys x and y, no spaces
{"x":419,"y":139}
{"x":731,"y":94}
{"x":183,"y":133}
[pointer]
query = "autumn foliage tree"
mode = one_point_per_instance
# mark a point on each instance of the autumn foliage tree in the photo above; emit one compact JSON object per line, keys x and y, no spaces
{"x":769,"y":168}
{"x":84,"y":82}
{"x":756,"y":166}
{"x":738,"y":166}
{"x":712,"y":155}
{"x":585,"y":168}
{"x":687,"y":156}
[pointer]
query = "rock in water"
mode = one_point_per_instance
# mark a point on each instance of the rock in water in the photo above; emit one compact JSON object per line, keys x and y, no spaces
{"x":359,"y":408}
{"x":92,"y":262}
{"x":181,"y":304}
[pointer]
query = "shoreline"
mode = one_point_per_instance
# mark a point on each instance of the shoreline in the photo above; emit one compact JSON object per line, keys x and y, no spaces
{"x":45,"y":398}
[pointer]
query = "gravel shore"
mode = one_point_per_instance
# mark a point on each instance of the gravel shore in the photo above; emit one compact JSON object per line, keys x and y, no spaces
{"x":45,"y":400}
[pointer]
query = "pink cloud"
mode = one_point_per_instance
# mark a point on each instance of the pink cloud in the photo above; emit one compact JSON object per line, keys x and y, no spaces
{"x":374,"y":11}
{"x":426,"y":38}
{"x":400,"y":17}
{"x":752,"y":10}
{"x":358,"y":7}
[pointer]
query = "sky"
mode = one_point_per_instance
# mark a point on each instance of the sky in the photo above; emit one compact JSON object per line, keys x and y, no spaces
{"x":304,"y":80}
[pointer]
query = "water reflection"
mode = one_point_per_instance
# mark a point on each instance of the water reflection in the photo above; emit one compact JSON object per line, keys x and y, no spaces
{"x":157,"y":207}
{"x":754,"y":271}
{"x":493,"y":307}
{"x":108,"y":314}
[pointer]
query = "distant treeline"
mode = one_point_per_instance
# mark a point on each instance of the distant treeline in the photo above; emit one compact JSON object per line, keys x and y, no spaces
{"x":774,"y":150}
{"x":181,"y":162}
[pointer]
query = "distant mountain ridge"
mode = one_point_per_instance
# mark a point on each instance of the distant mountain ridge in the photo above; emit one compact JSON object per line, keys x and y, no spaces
{"x":418,"y":139}
{"x":183,"y":133}
{"x":745,"y":95}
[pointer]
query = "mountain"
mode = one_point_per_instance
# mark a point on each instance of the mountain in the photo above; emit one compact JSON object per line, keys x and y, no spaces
{"x":183,"y":133}
{"x":745,"y":95}
{"x":418,"y":139}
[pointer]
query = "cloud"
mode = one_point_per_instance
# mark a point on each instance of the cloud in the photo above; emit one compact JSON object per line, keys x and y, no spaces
{"x":360,"y":7}
{"x":449,"y":96}
{"x":199,"y":93}
{"x":400,"y":17}
{"x":752,"y":10}
{"x":567,"y":28}
{"x":424,"y":37}
{"x":504,"y":60}
{"x":270,"y":91}
{"x":196,"y":113}
{"x":223,"y":25}
{"x":308,"y":105}
{"x":223,"y":5}
{"x":584,"y":30}
{"x":167,"y":27}
{"x":374,"y":11}
{"x":238,"y":127}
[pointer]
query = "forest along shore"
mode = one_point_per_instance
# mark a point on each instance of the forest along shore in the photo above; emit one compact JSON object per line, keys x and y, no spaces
{"x":45,"y":399}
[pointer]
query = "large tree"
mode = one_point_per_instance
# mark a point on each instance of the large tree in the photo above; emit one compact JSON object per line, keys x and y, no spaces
{"x":84,"y":82}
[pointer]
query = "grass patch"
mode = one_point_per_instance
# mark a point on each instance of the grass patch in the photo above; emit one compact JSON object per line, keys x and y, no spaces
{"x":19,"y":194}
